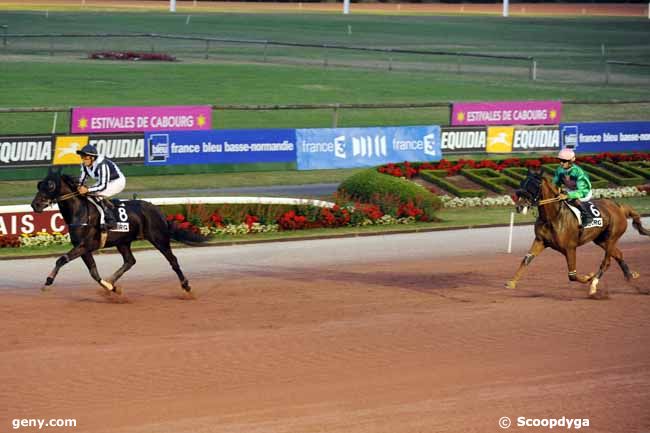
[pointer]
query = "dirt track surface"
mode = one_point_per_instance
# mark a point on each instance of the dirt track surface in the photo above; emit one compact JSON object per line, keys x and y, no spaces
{"x":404,"y":339}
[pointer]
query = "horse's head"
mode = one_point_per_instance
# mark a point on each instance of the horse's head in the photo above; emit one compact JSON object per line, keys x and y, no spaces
{"x":530,"y":190}
{"x":51,"y":188}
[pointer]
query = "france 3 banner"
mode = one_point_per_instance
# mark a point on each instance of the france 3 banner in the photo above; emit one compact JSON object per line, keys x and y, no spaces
{"x":606,"y":136}
{"x":365,"y":147}
{"x":227,"y":146}
{"x":117,"y":147}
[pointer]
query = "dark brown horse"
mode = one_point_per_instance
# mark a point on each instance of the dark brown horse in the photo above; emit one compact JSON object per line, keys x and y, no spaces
{"x":557,"y":227}
{"x":145,"y":221}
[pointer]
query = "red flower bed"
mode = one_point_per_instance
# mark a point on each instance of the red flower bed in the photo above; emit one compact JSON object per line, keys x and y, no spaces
{"x":131,"y":55}
{"x":409,"y":170}
{"x":182,"y":223}
{"x":9,"y":241}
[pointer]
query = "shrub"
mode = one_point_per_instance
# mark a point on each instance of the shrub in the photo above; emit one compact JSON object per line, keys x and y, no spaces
{"x":389,"y":192}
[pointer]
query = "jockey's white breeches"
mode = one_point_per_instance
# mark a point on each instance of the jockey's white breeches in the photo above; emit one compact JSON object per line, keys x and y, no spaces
{"x":114,"y":187}
{"x":587,"y":197}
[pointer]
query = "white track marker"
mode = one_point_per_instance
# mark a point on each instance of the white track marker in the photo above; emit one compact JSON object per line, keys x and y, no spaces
{"x":349,"y":29}
{"x":512,"y":224}
{"x":56,"y":116}
{"x":187,"y":21}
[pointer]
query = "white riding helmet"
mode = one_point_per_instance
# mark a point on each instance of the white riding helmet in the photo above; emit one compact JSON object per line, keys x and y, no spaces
{"x":567,"y":155}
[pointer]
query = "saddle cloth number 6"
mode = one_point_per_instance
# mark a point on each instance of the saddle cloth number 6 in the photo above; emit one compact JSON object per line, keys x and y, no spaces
{"x":594,"y":210}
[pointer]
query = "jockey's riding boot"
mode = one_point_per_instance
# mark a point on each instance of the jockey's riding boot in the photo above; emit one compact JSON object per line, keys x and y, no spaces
{"x":584,"y":213}
{"x":109,"y":216}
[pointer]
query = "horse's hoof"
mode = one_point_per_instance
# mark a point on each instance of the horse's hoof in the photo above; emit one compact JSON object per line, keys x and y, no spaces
{"x":593,"y":288}
{"x":46,"y":288}
{"x":107,"y":285}
{"x":49,"y":281}
{"x":510,"y":285}
{"x":635,"y":275}
{"x":118,"y":290}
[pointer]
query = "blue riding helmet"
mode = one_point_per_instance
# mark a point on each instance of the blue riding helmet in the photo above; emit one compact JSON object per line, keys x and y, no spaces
{"x":89,"y":150}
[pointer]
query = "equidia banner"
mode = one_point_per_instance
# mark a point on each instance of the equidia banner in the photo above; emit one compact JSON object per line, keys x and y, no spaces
{"x":25,"y":150}
{"x":117,"y":147}
{"x":232,"y":146}
{"x":85,"y":120}
{"x":363,"y":147}
{"x":606,"y":136}
{"x":506,"y":113}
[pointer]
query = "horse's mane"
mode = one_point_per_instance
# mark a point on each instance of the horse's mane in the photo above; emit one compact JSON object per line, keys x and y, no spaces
{"x":71,"y":181}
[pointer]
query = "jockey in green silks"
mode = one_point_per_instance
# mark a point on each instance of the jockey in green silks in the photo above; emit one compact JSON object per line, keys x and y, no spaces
{"x":576,"y":182}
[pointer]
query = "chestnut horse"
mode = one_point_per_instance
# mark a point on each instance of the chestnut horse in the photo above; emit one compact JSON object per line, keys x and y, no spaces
{"x":557,"y":227}
{"x":145,"y":221}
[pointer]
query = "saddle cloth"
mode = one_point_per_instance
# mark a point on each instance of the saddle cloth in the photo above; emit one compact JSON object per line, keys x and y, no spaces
{"x":597,"y":218}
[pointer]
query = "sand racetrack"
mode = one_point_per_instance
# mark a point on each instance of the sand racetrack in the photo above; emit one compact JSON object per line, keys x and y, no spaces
{"x":391,"y":334}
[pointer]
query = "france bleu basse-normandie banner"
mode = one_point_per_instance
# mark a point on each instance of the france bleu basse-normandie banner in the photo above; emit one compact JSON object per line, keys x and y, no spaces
{"x":228,"y":146}
{"x":596,"y":137}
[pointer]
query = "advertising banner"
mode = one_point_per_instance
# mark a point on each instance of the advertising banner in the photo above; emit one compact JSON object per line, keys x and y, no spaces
{"x":117,"y":147}
{"x":17,"y":223}
{"x":521,"y":139}
{"x":86,"y":120}
{"x":506,"y":113}
{"x":25,"y":150}
{"x":365,"y":147}
{"x":463,"y":140}
{"x":606,"y":136}
{"x":232,"y":146}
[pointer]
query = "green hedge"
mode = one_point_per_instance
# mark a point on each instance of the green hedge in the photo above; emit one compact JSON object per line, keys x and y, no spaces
{"x":437,"y":177}
{"x":642,"y":168}
{"x":489,"y":178}
{"x":388,"y":192}
{"x":618,"y":177}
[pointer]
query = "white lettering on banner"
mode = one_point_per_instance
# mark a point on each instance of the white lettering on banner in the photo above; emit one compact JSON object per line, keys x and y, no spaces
{"x":284,"y":146}
{"x":451,"y":140}
{"x":57,"y":226}
{"x":585,"y":138}
{"x":339,"y":147}
{"x":172,"y":121}
{"x":185,"y":148}
{"x":607,"y":137}
{"x":483,"y":116}
{"x":25,"y":151}
{"x":628,"y":137}
{"x":19,"y":223}
{"x":119,"y":147}
{"x":211,"y":148}
{"x":530,"y":115}
{"x":127,"y":122}
{"x":326,"y":147}
{"x":369,"y":146}
{"x":408,"y":145}
{"x":536,"y":139}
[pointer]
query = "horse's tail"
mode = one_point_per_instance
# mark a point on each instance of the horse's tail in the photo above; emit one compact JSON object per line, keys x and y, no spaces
{"x":636,"y":219}
{"x":185,"y":236}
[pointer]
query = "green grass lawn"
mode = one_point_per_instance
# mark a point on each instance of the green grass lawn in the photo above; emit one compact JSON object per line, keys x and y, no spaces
{"x":568,"y":51}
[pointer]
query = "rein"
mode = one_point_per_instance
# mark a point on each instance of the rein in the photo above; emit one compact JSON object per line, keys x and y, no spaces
{"x":67,"y":196}
{"x":549,"y":200}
